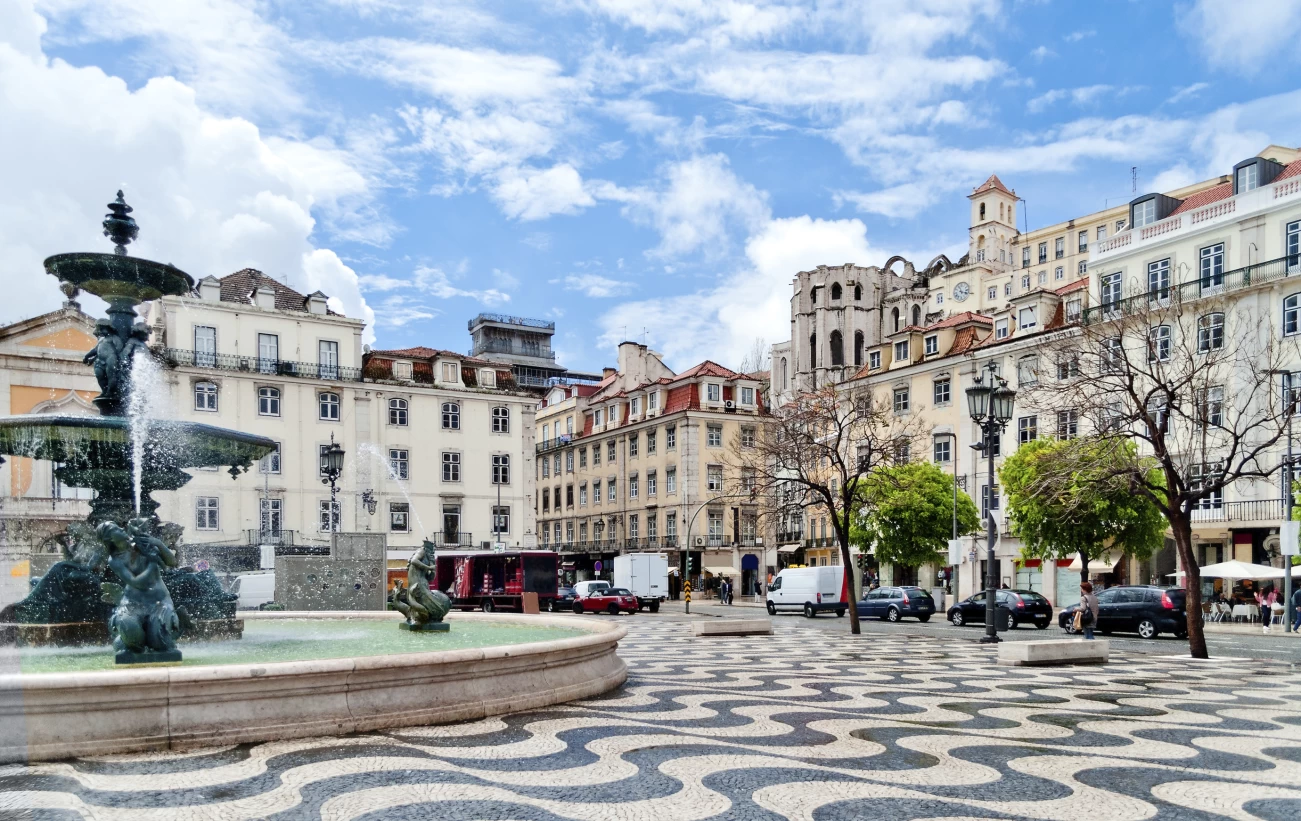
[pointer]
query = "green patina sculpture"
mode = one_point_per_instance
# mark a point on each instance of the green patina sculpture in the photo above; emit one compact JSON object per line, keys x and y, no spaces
{"x":423,"y":607}
{"x":144,"y":622}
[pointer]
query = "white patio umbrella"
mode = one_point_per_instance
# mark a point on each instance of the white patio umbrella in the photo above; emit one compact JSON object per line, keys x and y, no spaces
{"x":1241,"y":570}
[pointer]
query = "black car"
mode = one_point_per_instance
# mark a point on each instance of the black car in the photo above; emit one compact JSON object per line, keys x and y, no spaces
{"x":1024,"y":607}
{"x":893,"y":603}
{"x":1148,"y":610}
{"x":564,"y":599}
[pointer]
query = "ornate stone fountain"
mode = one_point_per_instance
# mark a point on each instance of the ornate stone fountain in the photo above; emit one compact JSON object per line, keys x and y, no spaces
{"x":120,"y":570}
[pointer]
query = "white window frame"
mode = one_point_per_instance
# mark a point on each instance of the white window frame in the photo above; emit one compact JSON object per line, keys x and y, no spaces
{"x":207,"y":513}
{"x":451,"y":416}
{"x":399,"y":461}
{"x":451,"y":466}
{"x":268,"y":401}
{"x":329,"y":406}
{"x":399,"y":412}
{"x":501,"y":468}
{"x":206,"y":396}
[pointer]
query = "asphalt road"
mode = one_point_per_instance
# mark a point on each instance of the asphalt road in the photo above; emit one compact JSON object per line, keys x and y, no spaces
{"x":1283,"y":648}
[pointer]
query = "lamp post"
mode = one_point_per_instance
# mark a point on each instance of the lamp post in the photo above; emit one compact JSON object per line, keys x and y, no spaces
{"x":331,"y":469}
{"x":989,"y":402}
{"x":1289,"y":407}
{"x":953,"y":455}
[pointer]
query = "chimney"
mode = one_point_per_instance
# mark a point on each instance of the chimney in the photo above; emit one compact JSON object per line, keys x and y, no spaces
{"x":606,"y":373}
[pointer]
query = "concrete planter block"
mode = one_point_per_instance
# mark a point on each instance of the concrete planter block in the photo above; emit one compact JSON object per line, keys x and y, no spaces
{"x":1053,"y":652}
{"x":732,"y":627}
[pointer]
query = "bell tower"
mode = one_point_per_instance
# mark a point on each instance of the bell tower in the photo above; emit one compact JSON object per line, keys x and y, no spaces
{"x":993,"y":221}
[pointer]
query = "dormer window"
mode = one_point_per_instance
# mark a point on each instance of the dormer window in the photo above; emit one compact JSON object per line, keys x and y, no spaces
{"x":635,"y":405}
{"x":1248,"y":178}
{"x":1143,"y":213}
{"x":401,"y":370}
{"x":451,"y":373}
{"x":874,"y":360}
{"x":1073,"y":310}
{"x":487,"y":378}
{"x":1251,"y":174}
{"x":713,"y":392}
{"x":932,"y":345}
{"x":901,"y":351}
{"x":1000,"y":329}
{"x":1027,"y":317}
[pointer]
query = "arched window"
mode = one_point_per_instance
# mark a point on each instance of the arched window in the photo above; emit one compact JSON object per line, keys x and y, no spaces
{"x":501,"y":420}
{"x":813,"y":351}
{"x":1158,"y":344}
{"x":858,"y":293}
{"x":917,"y":315}
{"x":1292,"y":315}
{"x":813,"y":295}
{"x":786,"y":376}
{"x":329,"y":406}
{"x":397,"y":412}
{"x":858,"y":349}
{"x":268,"y":401}
{"x":205,"y":396}
{"x":894,"y":314}
{"x":835,"y":291}
{"x":982,"y":211}
{"x":1210,"y":332}
{"x":451,"y":416}
{"x":837,"y":349}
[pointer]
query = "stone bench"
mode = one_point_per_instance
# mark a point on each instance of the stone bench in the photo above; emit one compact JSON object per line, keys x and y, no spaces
{"x":731,"y":627}
{"x":1053,"y":651}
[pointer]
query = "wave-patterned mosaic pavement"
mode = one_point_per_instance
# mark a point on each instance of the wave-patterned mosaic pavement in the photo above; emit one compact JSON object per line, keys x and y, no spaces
{"x":805,"y":724}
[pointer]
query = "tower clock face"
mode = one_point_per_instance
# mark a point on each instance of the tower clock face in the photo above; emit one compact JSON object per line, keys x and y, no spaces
{"x":961,"y":291}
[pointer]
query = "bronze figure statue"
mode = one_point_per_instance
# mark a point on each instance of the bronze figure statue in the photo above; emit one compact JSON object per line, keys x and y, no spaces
{"x":423,"y":607}
{"x":144,"y":623}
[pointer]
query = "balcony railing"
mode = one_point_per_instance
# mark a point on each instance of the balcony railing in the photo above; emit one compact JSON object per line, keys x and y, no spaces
{"x":506,"y":319}
{"x":557,"y":443}
{"x":1234,"y":280}
{"x":178,"y":357}
{"x":503,"y":346}
{"x":1251,"y":510}
{"x":445,"y":538}
{"x":790,"y":536}
{"x":820,"y":541}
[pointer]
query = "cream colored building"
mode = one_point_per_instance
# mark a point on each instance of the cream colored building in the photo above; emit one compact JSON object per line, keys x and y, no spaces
{"x":640,"y":462}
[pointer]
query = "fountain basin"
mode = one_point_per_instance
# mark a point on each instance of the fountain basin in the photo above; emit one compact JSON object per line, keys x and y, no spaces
{"x":45,"y":716}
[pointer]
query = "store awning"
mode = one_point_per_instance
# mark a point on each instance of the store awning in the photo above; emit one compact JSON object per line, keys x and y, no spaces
{"x":723,"y":571}
{"x":790,"y":548}
{"x":1095,"y":565}
{"x":1240,"y":570}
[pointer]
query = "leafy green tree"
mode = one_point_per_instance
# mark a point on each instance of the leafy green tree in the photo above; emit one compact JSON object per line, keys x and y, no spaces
{"x":1087,"y":512}
{"x":907,"y":513}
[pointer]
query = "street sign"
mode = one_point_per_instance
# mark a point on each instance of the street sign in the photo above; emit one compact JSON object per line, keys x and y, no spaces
{"x":955,"y":551}
{"x":1287,"y":538}
{"x":596,"y":566}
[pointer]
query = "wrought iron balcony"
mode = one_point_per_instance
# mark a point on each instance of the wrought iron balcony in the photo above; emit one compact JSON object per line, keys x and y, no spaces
{"x":451,"y":538}
{"x":1229,"y":281}
{"x":505,"y":319}
{"x":1251,"y":510}
{"x":506,"y":346}
{"x":790,"y":536}
{"x":180,"y":357}
{"x":559,"y":442}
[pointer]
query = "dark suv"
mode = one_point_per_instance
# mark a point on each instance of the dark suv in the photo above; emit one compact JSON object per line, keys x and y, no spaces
{"x":893,"y":603}
{"x":1023,"y":607}
{"x":1144,"y":609}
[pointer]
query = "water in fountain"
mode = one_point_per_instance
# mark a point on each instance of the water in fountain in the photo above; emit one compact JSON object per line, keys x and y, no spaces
{"x":147,"y":395}
{"x":376,"y":453}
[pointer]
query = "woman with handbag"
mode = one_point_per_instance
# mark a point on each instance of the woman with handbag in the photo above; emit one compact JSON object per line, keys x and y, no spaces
{"x":1087,"y":616}
{"x":1265,"y":600}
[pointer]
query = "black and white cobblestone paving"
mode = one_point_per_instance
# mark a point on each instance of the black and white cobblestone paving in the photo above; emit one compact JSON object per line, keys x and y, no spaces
{"x":806,"y":724}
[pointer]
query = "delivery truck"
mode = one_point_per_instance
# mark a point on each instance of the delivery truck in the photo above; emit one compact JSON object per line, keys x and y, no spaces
{"x":491,"y":580}
{"x":646,"y":575}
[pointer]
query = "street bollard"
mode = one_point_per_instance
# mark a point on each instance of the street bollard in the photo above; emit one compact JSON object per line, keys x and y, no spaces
{"x":686,"y":593}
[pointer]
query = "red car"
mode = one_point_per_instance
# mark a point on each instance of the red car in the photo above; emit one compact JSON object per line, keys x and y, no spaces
{"x":607,"y":600}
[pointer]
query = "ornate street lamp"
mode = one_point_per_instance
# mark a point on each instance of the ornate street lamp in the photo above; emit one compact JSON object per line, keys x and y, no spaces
{"x":369,"y":501}
{"x":331,"y":469}
{"x":990,"y":403}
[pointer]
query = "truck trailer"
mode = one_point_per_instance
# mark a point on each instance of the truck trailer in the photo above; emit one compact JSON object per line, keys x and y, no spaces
{"x":646,"y":575}
{"x":490,"y":580}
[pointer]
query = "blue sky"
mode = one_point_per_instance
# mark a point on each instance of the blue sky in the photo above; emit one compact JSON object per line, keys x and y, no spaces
{"x":649,"y":170}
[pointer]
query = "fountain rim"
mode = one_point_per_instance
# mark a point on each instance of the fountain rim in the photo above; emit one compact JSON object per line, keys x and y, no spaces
{"x":68,"y":267}
{"x":598,"y":634}
{"x":123,"y":423}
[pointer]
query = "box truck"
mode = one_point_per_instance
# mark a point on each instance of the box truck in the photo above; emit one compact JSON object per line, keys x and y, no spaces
{"x":646,"y":575}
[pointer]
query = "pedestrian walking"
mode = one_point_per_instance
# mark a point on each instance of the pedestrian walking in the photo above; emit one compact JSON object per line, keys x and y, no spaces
{"x":1088,"y":612}
{"x":1296,"y":610}
{"x":1265,"y":599}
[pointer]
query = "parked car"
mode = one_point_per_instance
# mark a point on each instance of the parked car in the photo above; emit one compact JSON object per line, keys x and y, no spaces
{"x":1148,"y":610}
{"x":811,"y":589}
{"x":1024,"y":607}
{"x":894,"y":603}
{"x":564,"y":599}
{"x":610,"y":600}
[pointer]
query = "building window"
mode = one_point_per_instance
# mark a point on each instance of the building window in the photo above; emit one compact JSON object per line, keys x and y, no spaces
{"x":747,"y":437}
{"x":1143,"y":213}
{"x":1113,"y":355}
{"x":398,"y":460}
{"x":1073,"y":307}
{"x":633,"y":443}
{"x":609,"y":451}
{"x":207,"y":513}
{"x":1110,"y":292}
{"x":205,"y":396}
{"x":714,"y":478}
{"x":330,"y":518}
{"x":1203,"y":475}
{"x":1027,"y":429}
{"x":582,"y":457}
{"x":874,"y":360}
{"x":1082,"y":268}
{"x":1043,"y":276}
{"x":451,"y":466}
{"x":652,"y":400}
{"x":501,"y":473}
{"x":901,"y":400}
{"x":402,"y":370}
{"x":451,"y":416}
{"x":713,"y":392}
{"x":487,"y":378}
{"x":942,"y":391}
{"x":270,"y":516}
{"x":1059,"y":247}
{"x":327,"y":359}
{"x":397,"y":412}
{"x":399,"y":517}
{"x":1212,"y":267}
{"x":1292,"y":246}
{"x":939,"y":297}
{"x":1102,"y":232}
{"x":271,"y":462}
{"x":1000,"y":329}
{"x":943,"y":449}
{"x":329,"y":406}
{"x":596,"y":454}
{"x":582,"y":495}
{"x":268,"y":353}
{"x":1083,"y":241}
{"x":501,"y":520}
{"x":671,"y":437}
{"x":634,"y":484}
{"x":1248,"y":178}
{"x":1210,"y":332}
{"x":1043,"y":252}
{"x":1007,"y":288}
{"x":714,"y":436}
{"x":451,"y":373}
{"x":205,"y":346}
{"x":268,"y":401}
{"x":634,"y":406}
{"x":1068,"y":368}
{"x":611,"y":490}
{"x":901,"y":351}
{"x":596,"y":492}
{"x":652,"y":441}
{"x":1025,"y":282}
{"x":932,"y":345}
{"x":988,"y":500}
{"x":1068,"y":424}
{"x":651,"y":483}
{"x":1158,"y":280}
{"x":569,"y":498}
{"x":1292,"y":314}
{"x":747,"y":396}
{"x":1158,"y":344}
{"x":501,"y":421}
{"x":1025,"y":257}
{"x":992,"y":292}
{"x":1027,"y":370}
{"x":1059,"y":273}
{"x":1027,"y":318}
{"x":671,"y":480}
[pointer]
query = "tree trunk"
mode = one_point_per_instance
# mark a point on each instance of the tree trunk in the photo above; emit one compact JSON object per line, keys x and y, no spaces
{"x":1183,"y":534}
{"x":848,"y":561}
{"x":1084,"y":567}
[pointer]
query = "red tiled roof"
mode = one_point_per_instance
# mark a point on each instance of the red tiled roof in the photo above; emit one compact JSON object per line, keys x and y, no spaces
{"x":685,"y":397}
{"x":958,"y":319}
{"x":991,"y":184}
{"x":1073,"y":286}
{"x":1293,"y":170}
{"x":708,"y":368}
{"x":421,"y":352}
{"x":1213,"y":194}
{"x":964,"y":340}
{"x":1058,"y":320}
{"x":587,"y":424}
{"x":239,"y":286}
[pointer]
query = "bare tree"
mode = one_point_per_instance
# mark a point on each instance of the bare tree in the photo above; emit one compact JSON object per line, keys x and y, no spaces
{"x":816,"y":453}
{"x":1191,"y":375}
{"x":756,"y":358}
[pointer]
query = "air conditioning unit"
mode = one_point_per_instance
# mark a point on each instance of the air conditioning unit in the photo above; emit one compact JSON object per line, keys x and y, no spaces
{"x":700,"y":541}
{"x":485,"y":545}
{"x":730,"y":405}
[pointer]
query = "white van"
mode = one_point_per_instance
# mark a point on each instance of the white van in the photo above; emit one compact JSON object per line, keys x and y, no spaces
{"x":254,"y":589}
{"x":586,"y":588}
{"x":811,"y":589}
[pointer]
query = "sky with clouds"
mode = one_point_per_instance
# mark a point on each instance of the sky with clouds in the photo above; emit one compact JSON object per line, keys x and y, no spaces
{"x":651,"y":170}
